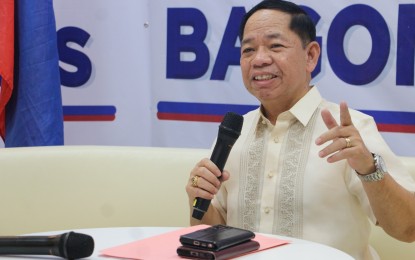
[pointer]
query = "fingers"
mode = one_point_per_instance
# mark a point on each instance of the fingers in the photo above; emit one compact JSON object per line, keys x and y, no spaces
{"x":337,"y":135}
{"x":338,"y":145}
{"x":328,"y":119}
{"x":345,"y":118}
{"x":343,"y":130}
{"x":346,"y":141}
{"x":205,"y":180}
{"x":342,"y":136}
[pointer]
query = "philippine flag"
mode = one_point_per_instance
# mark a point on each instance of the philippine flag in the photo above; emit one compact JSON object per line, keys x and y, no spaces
{"x":30,"y":95}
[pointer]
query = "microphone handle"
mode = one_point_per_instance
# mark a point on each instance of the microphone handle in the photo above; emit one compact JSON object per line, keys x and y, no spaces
{"x":30,"y":245}
{"x":221,"y":153}
{"x":219,"y":157}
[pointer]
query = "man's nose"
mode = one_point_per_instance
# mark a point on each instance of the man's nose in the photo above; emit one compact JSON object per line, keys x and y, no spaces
{"x":262,"y":57}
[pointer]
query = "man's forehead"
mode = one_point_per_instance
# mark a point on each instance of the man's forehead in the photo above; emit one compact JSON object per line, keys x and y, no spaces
{"x":268,"y":36}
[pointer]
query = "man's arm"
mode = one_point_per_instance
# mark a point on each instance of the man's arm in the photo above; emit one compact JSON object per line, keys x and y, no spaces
{"x":393,"y":206}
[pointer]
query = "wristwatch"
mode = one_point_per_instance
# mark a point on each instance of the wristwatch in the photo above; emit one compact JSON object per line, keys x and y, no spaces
{"x":379,"y":173}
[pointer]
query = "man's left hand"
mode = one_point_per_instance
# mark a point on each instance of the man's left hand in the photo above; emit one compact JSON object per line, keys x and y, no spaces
{"x":346,"y":142}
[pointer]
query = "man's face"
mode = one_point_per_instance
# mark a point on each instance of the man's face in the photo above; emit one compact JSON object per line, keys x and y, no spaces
{"x":273,"y":60}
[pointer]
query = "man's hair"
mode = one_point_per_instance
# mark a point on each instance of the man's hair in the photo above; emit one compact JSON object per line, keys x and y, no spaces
{"x":300,"y":23}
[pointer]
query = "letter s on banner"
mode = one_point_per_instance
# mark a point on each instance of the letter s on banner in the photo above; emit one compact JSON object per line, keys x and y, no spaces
{"x":73,"y":57}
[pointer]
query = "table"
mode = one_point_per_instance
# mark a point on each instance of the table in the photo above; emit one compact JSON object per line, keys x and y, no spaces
{"x":109,"y":237}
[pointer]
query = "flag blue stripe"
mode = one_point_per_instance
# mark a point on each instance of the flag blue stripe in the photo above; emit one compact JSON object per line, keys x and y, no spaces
{"x":89,"y":110}
{"x":202,"y":108}
{"x":34,"y":113}
{"x":392,"y":117}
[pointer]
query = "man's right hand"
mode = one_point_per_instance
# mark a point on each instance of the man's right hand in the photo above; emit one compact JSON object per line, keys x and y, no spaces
{"x":205,"y":180}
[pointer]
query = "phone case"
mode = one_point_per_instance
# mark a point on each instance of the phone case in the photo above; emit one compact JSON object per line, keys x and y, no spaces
{"x":216,"y":238}
{"x":230,"y":252}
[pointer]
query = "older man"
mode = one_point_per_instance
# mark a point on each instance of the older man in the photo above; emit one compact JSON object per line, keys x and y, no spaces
{"x":303,"y":167}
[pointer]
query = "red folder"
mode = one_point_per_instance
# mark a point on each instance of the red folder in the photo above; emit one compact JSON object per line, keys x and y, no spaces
{"x":164,"y":246}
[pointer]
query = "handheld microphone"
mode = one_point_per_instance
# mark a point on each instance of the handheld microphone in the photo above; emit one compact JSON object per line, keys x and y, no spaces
{"x":69,"y":245}
{"x":229,"y":131}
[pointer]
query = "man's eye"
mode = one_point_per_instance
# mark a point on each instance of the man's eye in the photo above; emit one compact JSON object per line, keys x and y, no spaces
{"x":276,"y":45}
{"x":247,"y":50}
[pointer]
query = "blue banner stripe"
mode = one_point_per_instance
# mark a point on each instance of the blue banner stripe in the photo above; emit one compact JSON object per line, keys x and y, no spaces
{"x":202,"y":108}
{"x":89,"y":110}
{"x":381,"y":117}
{"x":392,"y":117}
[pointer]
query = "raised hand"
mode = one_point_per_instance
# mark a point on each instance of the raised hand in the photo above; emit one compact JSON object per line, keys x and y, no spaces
{"x":346,"y":142}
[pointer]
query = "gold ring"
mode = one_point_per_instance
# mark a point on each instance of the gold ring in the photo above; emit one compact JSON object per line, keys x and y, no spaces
{"x":194,"y":181}
{"x":348,"y":142}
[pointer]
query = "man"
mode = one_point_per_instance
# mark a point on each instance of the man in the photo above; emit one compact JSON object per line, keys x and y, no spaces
{"x":295,"y":170}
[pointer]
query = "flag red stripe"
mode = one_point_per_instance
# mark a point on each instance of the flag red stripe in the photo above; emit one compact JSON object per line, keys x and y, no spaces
{"x":189,"y":117}
{"x":7,"y":58}
{"x":396,"y":128}
{"x":89,"y":117}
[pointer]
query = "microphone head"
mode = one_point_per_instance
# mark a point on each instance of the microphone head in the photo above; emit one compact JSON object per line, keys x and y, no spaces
{"x":232,"y":123}
{"x":76,"y":245}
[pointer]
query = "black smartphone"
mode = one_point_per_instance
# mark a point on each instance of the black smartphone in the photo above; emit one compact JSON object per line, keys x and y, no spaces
{"x":230,"y":252}
{"x":216,"y":237}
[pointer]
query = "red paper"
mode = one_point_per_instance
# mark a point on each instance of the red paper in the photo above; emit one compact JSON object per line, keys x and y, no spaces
{"x":164,"y":246}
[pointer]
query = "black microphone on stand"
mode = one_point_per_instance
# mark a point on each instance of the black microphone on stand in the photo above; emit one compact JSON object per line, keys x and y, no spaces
{"x":69,"y":245}
{"x":229,"y":131}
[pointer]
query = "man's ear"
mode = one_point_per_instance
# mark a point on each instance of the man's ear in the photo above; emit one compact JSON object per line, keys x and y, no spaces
{"x":313,"y":53}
